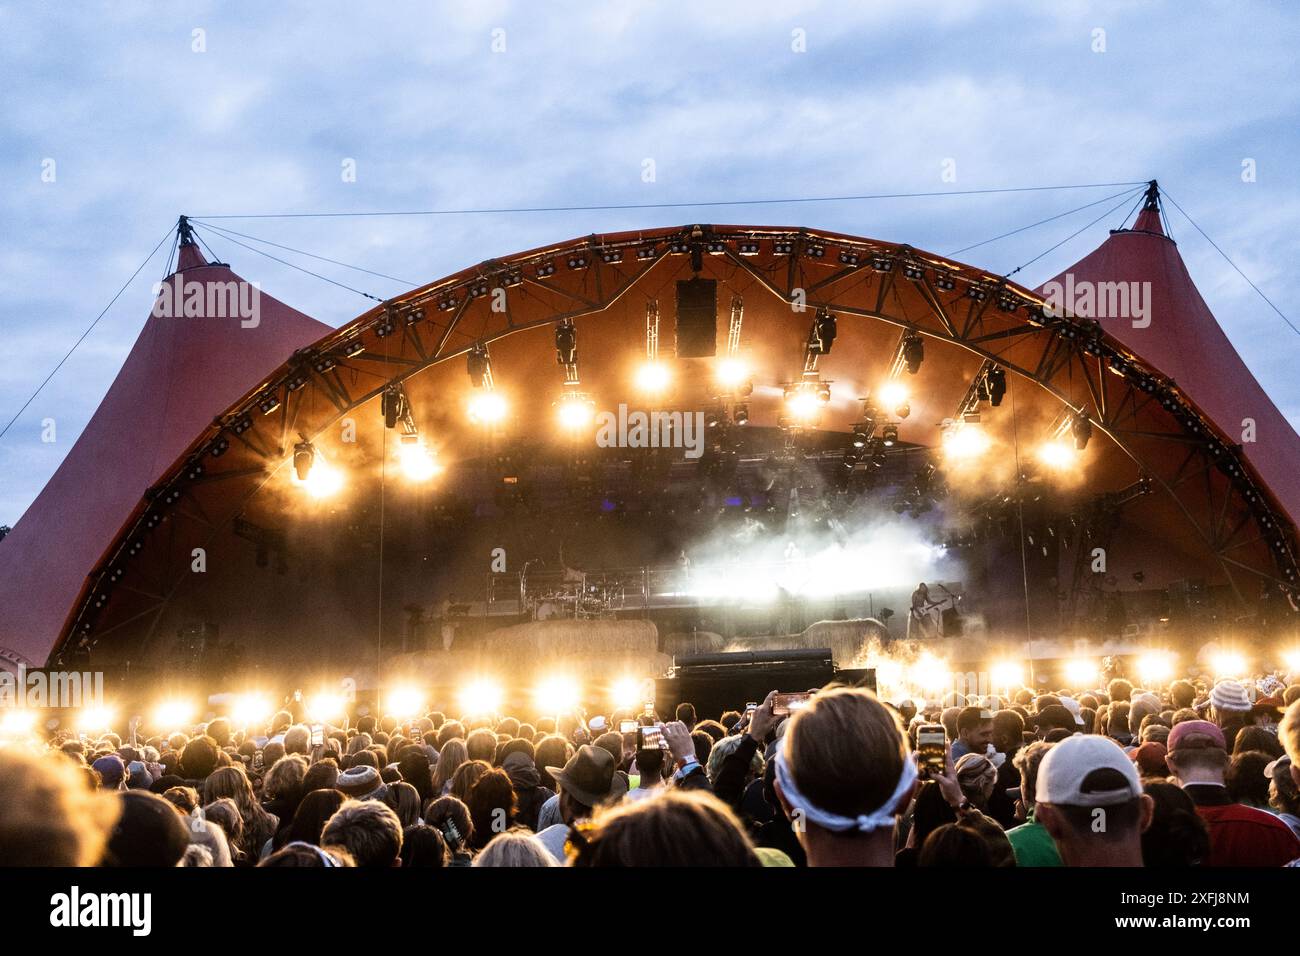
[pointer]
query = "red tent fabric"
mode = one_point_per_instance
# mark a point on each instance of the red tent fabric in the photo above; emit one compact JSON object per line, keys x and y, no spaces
{"x":1184,"y":341}
{"x":181,"y":372}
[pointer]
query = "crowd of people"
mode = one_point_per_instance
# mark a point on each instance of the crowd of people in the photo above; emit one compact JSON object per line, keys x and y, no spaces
{"x":1183,"y":775}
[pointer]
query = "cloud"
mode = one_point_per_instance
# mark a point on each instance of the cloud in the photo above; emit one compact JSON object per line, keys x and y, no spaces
{"x":142,"y":129}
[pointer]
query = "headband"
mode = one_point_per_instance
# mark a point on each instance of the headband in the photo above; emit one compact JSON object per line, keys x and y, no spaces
{"x":326,"y":859}
{"x":864,"y":823}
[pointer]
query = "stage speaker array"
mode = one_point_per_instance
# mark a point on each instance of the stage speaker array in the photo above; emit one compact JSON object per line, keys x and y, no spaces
{"x":697,"y":318}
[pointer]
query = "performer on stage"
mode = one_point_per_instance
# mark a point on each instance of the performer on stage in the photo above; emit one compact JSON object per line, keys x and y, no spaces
{"x":922,"y":615}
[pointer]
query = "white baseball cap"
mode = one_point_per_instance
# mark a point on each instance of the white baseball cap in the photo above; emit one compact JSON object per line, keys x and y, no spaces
{"x":1063,"y":774}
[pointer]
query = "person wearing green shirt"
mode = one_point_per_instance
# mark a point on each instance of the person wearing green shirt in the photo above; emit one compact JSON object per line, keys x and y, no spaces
{"x":1030,"y":841}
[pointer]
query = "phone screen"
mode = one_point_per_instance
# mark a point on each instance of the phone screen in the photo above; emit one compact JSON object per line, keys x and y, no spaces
{"x":650,"y":738}
{"x":317,"y":735}
{"x":931,"y":744}
{"x":784,"y":704}
{"x":627,"y":726}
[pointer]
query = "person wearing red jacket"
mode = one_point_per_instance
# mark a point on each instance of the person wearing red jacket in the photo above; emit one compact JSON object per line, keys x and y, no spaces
{"x":1239,"y":835}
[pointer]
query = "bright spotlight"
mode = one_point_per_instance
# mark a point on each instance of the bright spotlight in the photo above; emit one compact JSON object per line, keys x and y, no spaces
{"x":251,"y":709}
{"x":17,"y":722}
{"x":173,"y":715}
{"x":653,"y":377}
{"x":95,"y":718}
{"x":322,"y":480}
{"x":1058,"y":455}
{"x":626,"y":693}
{"x":326,"y":707}
{"x":1291,"y":661}
{"x":1155,"y":667}
{"x":965,"y":441}
{"x":557,"y":695}
{"x":1228,"y":664}
{"x":929,"y":673}
{"x":1081,"y":673}
{"x":482,"y":698}
{"x":893,"y":395}
{"x":404,"y":702}
{"x":1006,"y":675}
{"x":575,"y":411}
{"x":732,"y":373}
{"x":487,"y":407}
{"x":802,"y":405}
{"x":418,"y":463}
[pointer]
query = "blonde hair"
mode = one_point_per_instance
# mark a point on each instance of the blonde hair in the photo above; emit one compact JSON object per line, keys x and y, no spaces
{"x":845,"y":751}
{"x":1289,"y":732}
{"x":48,"y":814}
{"x":518,"y":847}
{"x":450,"y":757}
{"x":285,"y":776}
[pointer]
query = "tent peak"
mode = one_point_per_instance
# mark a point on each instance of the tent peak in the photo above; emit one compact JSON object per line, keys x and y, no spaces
{"x":1148,"y":220}
{"x":191,"y":256}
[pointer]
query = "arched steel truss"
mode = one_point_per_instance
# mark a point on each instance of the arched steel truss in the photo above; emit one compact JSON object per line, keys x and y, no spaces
{"x":1135,"y":406}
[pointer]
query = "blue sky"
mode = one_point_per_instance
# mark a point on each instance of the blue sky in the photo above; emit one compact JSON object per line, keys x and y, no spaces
{"x":142,"y":128}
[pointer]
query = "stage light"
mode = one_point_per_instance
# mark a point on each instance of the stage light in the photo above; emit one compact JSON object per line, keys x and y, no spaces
{"x":314,"y":473}
{"x":575,"y":410}
{"x":653,"y":377}
{"x":487,"y":408}
{"x":929,"y":673}
{"x":913,"y":353}
{"x":557,"y":695}
{"x":1007,"y":675}
{"x":802,"y":406}
{"x":304,"y":455}
{"x":417,"y":461}
{"x":481,"y":698}
{"x":1082,"y":431}
{"x":478,"y":366}
{"x":626,"y":693}
{"x":1058,"y":455}
{"x":963,"y":441}
{"x":324,"y":707}
{"x":1157,"y":667}
{"x":996,"y":382}
{"x":889,"y":435}
{"x":824,"y":332}
{"x":1081,"y":674}
{"x":1228,"y":664}
{"x":404,"y":702}
{"x":173,"y":715}
{"x":251,"y":709}
{"x":732,"y":373}
{"x":742,"y":415}
{"x":17,"y":722}
{"x":1291,"y":661}
{"x":95,"y":718}
{"x":894,"y":394}
{"x":566,"y":344}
